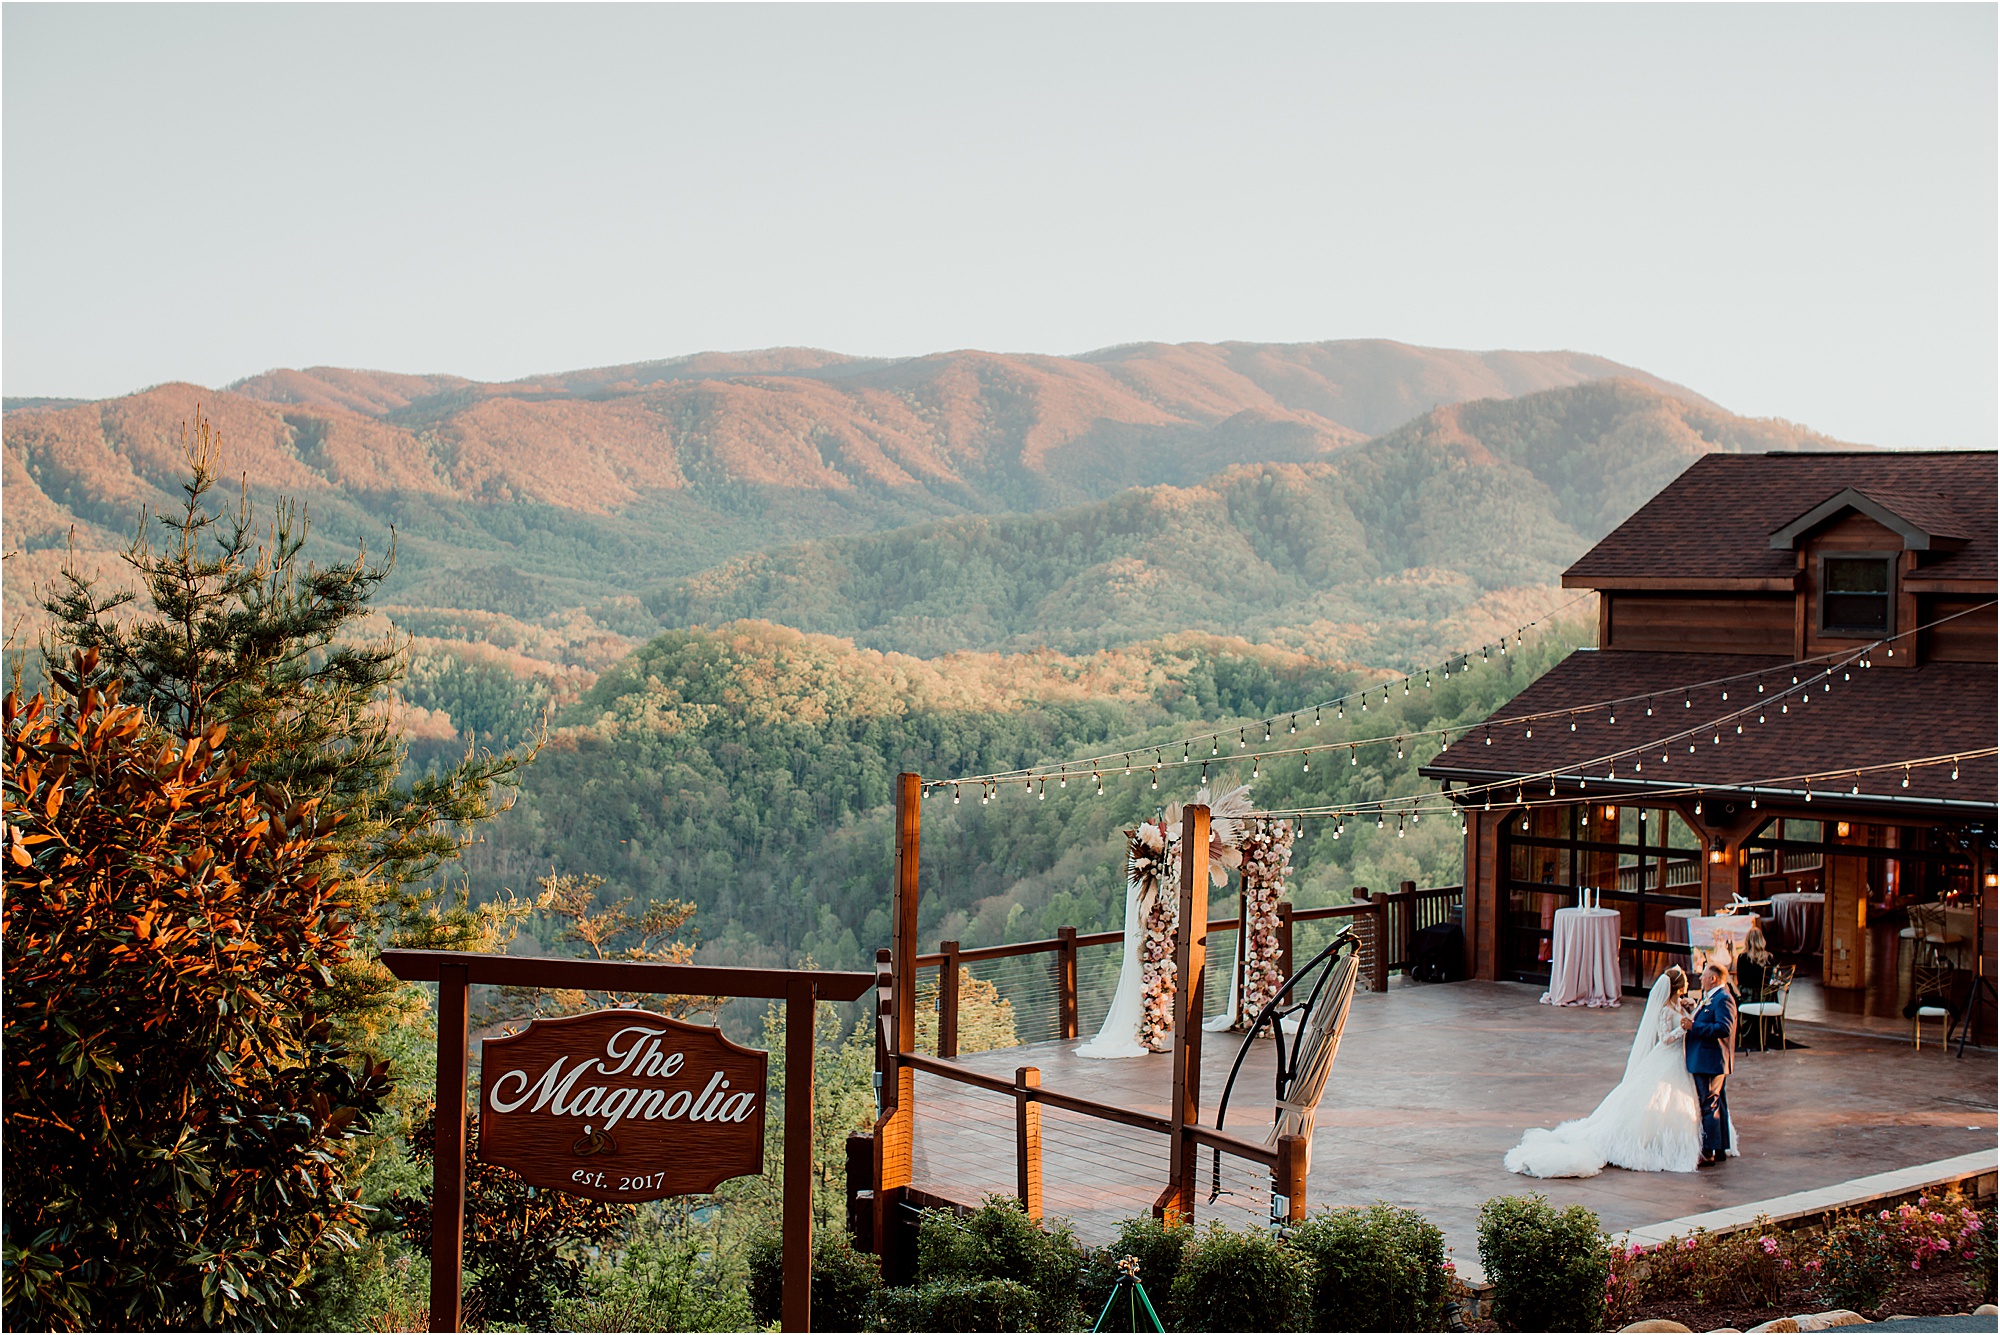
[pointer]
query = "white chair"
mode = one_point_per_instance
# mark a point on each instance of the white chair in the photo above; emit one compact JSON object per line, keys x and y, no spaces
{"x":1931,"y":981}
{"x":1779,"y":987}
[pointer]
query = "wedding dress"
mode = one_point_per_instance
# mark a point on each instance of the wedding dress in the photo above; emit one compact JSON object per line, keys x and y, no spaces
{"x":1118,"y":1036}
{"x":1649,"y":1121}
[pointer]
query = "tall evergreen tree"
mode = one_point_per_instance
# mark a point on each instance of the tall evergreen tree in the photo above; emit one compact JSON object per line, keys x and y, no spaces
{"x":238,"y":627}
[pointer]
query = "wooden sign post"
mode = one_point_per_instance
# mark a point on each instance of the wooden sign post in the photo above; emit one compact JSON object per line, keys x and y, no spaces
{"x":622,"y":1104}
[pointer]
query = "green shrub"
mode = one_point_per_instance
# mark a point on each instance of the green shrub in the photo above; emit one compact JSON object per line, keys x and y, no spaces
{"x":1158,"y":1247}
{"x":956,"y":1305}
{"x":1241,"y":1281}
{"x":999,"y":1241}
{"x":1548,"y":1267}
{"x":662,"y":1282}
{"x":843,"y":1281}
{"x":1376,"y":1269}
{"x":1857,"y":1263}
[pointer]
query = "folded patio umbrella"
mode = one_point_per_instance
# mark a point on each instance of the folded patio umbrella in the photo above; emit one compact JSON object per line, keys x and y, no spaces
{"x":1299,"y":1107}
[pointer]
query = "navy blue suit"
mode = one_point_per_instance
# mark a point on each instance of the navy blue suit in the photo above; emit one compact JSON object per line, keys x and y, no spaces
{"x":1711,"y":1056}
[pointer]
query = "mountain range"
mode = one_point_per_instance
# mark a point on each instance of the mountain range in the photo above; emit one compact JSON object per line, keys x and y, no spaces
{"x":537,"y":514}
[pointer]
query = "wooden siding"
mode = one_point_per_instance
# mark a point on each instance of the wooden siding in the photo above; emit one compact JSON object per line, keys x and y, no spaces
{"x":1969,"y":639}
{"x":1696,"y":623}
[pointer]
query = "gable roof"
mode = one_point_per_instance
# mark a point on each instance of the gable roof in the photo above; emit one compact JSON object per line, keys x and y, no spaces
{"x":1723,"y":518}
{"x":1910,"y":517}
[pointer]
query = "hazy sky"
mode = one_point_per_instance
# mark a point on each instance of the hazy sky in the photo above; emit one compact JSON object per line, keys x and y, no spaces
{"x":1791,"y":208}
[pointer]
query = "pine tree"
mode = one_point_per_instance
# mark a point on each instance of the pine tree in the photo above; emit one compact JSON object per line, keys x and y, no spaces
{"x":237,"y":627}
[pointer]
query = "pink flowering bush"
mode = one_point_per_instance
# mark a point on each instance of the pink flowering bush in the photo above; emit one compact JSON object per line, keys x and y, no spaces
{"x":1749,"y":1268}
{"x":1858,"y":1261}
{"x":1852,"y":1262}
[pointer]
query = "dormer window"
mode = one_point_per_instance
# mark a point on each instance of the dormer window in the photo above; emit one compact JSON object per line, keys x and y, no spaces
{"x":1855,"y":594}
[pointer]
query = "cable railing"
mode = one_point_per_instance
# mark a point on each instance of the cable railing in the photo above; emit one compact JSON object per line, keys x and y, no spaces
{"x":983,"y":998}
{"x":1061,"y":987}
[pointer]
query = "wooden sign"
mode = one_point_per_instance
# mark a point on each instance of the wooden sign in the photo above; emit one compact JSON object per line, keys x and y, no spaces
{"x":622,"y":1105}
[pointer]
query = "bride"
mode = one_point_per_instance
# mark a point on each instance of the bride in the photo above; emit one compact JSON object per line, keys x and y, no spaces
{"x":1649,"y":1121}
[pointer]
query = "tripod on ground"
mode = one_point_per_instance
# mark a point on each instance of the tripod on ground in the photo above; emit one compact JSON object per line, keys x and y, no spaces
{"x":1135,"y":1299}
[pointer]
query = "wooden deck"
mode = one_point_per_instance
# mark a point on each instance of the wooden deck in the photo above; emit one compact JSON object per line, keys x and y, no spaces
{"x":1434,"y":1084}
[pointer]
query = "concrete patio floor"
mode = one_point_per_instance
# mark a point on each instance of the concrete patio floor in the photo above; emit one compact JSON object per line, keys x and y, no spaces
{"x":1433,"y":1084}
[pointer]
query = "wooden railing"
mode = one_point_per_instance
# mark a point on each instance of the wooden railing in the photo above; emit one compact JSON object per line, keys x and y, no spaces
{"x":1388,"y":935}
{"x":1286,"y":1158}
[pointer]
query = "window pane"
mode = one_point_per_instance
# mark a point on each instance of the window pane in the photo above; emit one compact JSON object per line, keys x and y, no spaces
{"x":1856,"y":611}
{"x":1851,"y":576}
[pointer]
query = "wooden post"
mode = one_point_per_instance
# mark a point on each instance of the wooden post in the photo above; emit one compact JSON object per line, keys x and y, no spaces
{"x":1066,"y":981}
{"x":1289,"y":1180}
{"x":1190,"y":965}
{"x":948,"y":1000}
{"x":798,"y":1217}
{"x":860,"y":1194}
{"x":448,"y":1159}
{"x":1028,"y":1140}
{"x":1379,"y":916}
{"x":1405,"y":923}
{"x":895,"y":1129}
{"x":1285,"y":941}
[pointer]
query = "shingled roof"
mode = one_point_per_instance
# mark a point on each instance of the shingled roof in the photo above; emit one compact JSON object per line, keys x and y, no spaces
{"x":1715,"y":521}
{"x":1871,"y":716}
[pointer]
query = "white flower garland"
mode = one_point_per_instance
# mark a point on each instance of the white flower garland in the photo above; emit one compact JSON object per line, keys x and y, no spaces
{"x":1267,"y":862}
{"x":1153,"y":865}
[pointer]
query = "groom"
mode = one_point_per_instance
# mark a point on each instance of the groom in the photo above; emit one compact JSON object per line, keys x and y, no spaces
{"x":1711,"y":1055}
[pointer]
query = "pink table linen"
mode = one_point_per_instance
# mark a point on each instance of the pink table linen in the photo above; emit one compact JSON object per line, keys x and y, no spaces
{"x":1584,"y":970}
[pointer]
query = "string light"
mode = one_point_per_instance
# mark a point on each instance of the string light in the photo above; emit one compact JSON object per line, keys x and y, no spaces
{"x":1306,"y":767}
{"x":1399,"y":827}
{"x":954,"y":794}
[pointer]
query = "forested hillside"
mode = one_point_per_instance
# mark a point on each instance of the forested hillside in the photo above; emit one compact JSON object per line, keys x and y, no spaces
{"x":534,"y":499}
{"x":1407,"y":546}
{"x":748,"y":769}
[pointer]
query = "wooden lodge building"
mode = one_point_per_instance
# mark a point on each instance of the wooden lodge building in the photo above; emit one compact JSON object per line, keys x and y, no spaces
{"x":1715,"y":600}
